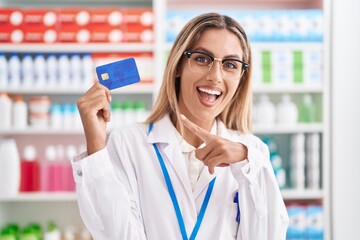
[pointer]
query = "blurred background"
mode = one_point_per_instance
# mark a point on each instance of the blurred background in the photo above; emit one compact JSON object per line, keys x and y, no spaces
{"x":306,"y":85}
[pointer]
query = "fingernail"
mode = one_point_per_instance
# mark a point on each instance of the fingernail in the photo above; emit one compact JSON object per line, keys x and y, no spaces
{"x":182,"y":117}
{"x":110,"y":98}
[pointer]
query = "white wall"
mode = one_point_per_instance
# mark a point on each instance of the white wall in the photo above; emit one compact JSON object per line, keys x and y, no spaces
{"x":345,"y":119}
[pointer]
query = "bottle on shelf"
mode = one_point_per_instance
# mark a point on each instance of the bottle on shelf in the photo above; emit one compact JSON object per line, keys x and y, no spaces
{"x":68,"y":183}
{"x":40,"y":71}
{"x":3,"y":72}
{"x":287,"y":112}
{"x":297,"y":161}
{"x":52,"y":232}
{"x":51,"y":71}
{"x":265,"y":111}
{"x":5,"y":110}
{"x":313,"y":161}
{"x":87,"y":70}
{"x":27,"y":72}
{"x":9,"y":167}
{"x":307,"y":110}
{"x":75,"y":71}
{"x":64,"y":71}
{"x":20,"y":113}
{"x":140,"y":111}
{"x":30,"y":170}
{"x":14,"y":71}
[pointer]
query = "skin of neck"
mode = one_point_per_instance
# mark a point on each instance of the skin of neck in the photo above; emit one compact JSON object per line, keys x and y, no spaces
{"x":188,"y":135}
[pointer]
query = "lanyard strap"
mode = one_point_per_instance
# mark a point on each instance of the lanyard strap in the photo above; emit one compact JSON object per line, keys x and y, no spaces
{"x":175,"y":202}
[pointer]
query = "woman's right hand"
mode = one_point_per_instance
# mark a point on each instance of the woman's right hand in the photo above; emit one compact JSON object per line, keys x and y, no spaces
{"x":94,"y":108}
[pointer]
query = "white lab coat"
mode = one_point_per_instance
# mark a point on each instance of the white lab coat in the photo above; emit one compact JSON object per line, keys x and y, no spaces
{"x":122,"y":193}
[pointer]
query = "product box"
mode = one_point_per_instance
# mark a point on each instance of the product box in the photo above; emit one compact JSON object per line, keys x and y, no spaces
{"x":107,"y":25}
{"x":139,"y":25}
{"x":74,"y":25}
{"x":297,"y":222}
{"x":315,"y":225}
{"x":40,"y":25}
{"x":11,"y":20}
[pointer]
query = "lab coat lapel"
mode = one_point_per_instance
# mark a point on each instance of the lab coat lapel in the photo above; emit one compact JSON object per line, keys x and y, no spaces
{"x":171,"y":152}
{"x":205,"y":177}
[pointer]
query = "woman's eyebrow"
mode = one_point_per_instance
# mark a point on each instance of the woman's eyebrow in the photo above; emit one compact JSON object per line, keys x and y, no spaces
{"x":202,"y":49}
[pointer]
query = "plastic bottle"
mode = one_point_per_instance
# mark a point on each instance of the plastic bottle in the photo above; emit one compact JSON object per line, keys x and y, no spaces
{"x":87,"y":66}
{"x":5,"y":110}
{"x":20,"y":113}
{"x":128,"y":112}
{"x":307,"y":109}
{"x":9,"y":167}
{"x":287,"y":112}
{"x":14,"y":71}
{"x":313,"y":161}
{"x":54,"y":170}
{"x":266,"y":111}
{"x":27,"y":71}
{"x":7,"y":234}
{"x":68,"y":183}
{"x":64,"y":70}
{"x":52,"y":232}
{"x":4,"y":74}
{"x":56,"y":116}
{"x":30,"y":170}
{"x":51,"y":71}
{"x":297,"y":161}
{"x":40,"y":71}
{"x":75,"y":71}
{"x":117,"y":115}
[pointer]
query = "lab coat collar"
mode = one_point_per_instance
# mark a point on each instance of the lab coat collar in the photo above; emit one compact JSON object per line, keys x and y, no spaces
{"x":161,"y":133}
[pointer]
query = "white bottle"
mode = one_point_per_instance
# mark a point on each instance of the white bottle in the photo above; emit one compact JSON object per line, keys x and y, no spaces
{"x":313,"y":161}
{"x":56,"y":116}
{"x":9,"y":168}
{"x":51,"y":71}
{"x":297,"y":161}
{"x":20,"y":113}
{"x":266,"y":111}
{"x":40,"y":71}
{"x":75,"y":71}
{"x":14,"y":71}
{"x":87,"y":66}
{"x":52,"y":232}
{"x":64,"y":71}
{"x":4,"y":74}
{"x":5,"y":110}
{"x":27,"y":68}
{"x":287,"y":112}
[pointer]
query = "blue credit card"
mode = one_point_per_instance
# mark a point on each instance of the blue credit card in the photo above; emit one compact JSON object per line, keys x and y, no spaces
{"x":118,"y":74}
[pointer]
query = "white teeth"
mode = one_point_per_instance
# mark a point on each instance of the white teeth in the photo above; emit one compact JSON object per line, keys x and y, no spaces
{"x":209,"y":91}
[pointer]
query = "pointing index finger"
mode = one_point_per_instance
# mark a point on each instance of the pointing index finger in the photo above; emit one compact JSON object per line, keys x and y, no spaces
{"x":198,"y":131}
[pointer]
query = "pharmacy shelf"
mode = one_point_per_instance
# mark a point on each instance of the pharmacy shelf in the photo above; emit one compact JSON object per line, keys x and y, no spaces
{"x":146,"y":88}
{"x":69,"y":196}
{"x":77,"y":47}
{"x":30,"y":197}
{"x":288,"y":89}
{"x":290,"y":194}
{"x":298,"y":128}
{"x":40,"y":131}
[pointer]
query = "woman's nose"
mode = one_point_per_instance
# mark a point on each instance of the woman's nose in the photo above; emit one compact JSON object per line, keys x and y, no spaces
{"x":214,"y":73}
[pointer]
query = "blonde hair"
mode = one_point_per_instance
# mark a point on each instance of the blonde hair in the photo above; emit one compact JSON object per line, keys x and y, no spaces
{"x":237,"y":115}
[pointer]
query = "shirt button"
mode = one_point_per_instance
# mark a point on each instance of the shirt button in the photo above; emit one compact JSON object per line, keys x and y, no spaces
{"x":79,"y":173}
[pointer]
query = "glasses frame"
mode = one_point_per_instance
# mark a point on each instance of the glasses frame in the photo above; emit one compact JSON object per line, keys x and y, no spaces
{"x":244,"y":65}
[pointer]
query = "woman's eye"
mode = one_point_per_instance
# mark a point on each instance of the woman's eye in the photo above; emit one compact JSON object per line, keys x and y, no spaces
{"x":230,"y":65}
{"x":202,"y":59}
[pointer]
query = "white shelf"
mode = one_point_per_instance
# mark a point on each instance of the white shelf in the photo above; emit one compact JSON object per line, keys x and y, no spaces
{"x":290,"y":194}
{"x":77,"y":47}
{"x":288,"y":89}
{"x":298,"y":128}
{"x":36,"y":197}
{"x":38,"y":131}
{"x":146,"y":88}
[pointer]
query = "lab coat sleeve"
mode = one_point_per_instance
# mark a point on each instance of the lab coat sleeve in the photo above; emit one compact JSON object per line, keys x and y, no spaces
{"x":263,"y":212}
{"x":107,"y":205}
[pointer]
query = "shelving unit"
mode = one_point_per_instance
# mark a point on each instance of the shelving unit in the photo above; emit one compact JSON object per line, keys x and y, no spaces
{"x":13,"y":208}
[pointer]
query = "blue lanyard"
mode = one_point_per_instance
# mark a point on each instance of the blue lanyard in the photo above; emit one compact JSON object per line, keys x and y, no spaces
{"x":175,"y":202}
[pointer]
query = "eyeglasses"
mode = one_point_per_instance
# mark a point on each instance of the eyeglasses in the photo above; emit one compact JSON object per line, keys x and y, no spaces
{"x":201,"y":62}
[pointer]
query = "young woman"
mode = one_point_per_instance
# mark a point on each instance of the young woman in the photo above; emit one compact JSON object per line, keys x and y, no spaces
{"x":193,"y":170}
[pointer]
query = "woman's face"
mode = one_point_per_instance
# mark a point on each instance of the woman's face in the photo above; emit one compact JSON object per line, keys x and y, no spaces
{"x":203,"y":96}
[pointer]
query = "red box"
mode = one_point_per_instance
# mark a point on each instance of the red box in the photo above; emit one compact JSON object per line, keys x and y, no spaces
{"x":107,"y":25}
{"x":139,"y":25}
{"x":40,"y":25}
{"x":74,"y":25}
{"x":11,"y":20}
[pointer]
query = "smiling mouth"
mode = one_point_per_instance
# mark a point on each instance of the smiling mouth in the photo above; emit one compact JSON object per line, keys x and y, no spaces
{"x":209,"y":95}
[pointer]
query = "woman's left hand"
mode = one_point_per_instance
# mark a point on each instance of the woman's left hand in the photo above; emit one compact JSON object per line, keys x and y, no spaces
{"x":218,"y":151}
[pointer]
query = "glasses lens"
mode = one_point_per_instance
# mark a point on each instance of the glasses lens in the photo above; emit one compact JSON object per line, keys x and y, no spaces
{"x":231,"y":69}
{"x":200,"y":63}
